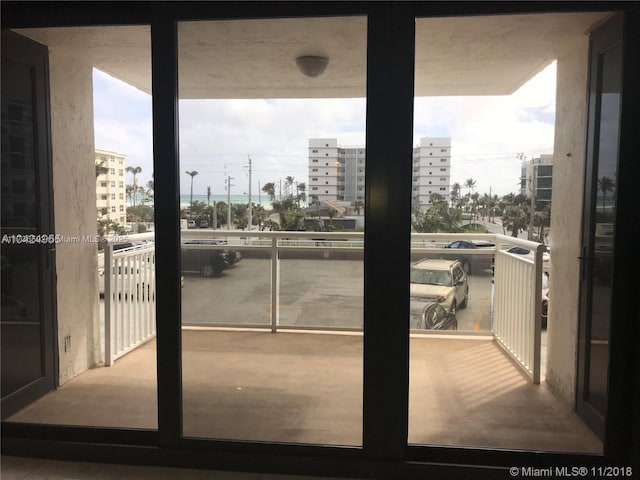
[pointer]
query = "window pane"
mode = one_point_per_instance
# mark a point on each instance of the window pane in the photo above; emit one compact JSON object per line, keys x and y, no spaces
{"x":476,"y":337}
{"x":102,"y":192}
{"x":257,"y":131}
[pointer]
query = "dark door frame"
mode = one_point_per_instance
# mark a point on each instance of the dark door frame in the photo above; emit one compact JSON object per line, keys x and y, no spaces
{"x":603,"y":39}
{"x":393,"y":458}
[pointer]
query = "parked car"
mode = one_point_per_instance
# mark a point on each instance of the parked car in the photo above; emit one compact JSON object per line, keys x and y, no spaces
{"x":472,"y":263}
{"x":197,"y":258}
{"x":127,"y":288}
{"x":545,"y":298}
{"x":546,"y":257}
{"x":204,"y":224}
{"x":191,"y":224}
{"x":439,"y":281}
{"x":431,"y":316}
{"x":233,"y":257}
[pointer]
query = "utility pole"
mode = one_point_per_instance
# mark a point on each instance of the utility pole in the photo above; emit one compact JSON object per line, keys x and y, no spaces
{"x":490,"y":200}
{"x":209,"y":201}
{"x":533,"y":206}
{"x":280,"y":189}
{"x":250,"y":213}
{"x":229,"y":178}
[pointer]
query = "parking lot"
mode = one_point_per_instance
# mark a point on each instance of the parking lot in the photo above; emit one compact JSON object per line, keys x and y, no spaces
{"x":324,"y":293}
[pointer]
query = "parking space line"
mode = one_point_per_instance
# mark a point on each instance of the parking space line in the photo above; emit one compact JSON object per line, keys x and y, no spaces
{"x":476,"y":327}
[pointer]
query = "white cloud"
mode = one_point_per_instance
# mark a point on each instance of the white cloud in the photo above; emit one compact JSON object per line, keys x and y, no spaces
{"x":219,"y":135}
{"x":216,"y":136}
{"x":122,"y":121}
{"x":488,"y":132}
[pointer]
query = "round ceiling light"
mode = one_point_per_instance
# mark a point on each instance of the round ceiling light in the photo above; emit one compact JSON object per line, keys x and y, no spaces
{"x":312,"y":65}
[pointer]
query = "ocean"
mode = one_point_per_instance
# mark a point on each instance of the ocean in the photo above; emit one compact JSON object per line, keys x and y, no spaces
{"x":263,"y":199}
{"x":184,"y":200}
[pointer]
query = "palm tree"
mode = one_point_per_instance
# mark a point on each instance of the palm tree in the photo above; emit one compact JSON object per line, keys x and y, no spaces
{"x":151,"y":187}
{"x":515,"y":219}
{"x":605,"y":185}
{"x":301,"y":195}
{"x":475,"y":201}
{"x":101,"y":169}
{"x":288,"y":183}
{"x":270,"y":190}
{"x":143,"y":192}
{"x":470,"y":184}
{"x":129,"y":189}
{"x":455,"y":192}
{"x":492,"y":203}
{"x":135,"y":171}
{"x":191,"y":174}
{"x":484,"y":202}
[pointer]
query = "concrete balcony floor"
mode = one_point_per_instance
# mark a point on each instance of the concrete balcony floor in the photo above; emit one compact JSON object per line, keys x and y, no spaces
{"x":307,"y":388}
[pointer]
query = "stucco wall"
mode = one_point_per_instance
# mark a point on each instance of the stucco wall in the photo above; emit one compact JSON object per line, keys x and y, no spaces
{"x":568,"y":178}
{"x":74,"y":183}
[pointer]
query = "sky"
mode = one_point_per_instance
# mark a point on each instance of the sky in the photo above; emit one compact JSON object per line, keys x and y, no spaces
{"x":217,"y":137}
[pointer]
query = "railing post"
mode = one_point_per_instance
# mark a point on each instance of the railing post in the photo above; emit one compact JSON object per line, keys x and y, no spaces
{"x":275,"y":284}
{"x":108,"y":276}
{"x":537,"y":333}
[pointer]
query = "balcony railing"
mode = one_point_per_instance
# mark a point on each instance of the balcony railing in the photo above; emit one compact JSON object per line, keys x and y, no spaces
{"x":129,"y":299}
{"x":129,"y":277}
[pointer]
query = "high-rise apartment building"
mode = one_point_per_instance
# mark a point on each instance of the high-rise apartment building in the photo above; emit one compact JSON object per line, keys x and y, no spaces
{"x":110,"y":187}
{"x":539,"y":173}
{"x":431,"y":171}
{"x":337,"y":173}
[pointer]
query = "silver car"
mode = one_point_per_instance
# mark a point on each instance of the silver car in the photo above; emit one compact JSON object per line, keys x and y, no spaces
{"x":440,"y":281}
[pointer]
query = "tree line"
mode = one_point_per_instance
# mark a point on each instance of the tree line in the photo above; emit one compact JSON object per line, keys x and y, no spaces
{"x":514,"y":211}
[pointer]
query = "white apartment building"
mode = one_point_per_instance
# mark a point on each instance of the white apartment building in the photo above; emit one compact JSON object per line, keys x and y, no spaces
{"x":110,"y":187}
{"x":337,"y":173}
{"x":539,"y":173}
{"x":431,"y":171}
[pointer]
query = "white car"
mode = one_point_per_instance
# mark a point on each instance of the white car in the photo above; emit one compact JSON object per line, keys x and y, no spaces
{"x":130,"y":280}
{"x":439,"y":281}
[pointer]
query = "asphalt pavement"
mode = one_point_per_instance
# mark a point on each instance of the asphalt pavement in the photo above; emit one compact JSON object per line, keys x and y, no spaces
{"x":320,"y":293}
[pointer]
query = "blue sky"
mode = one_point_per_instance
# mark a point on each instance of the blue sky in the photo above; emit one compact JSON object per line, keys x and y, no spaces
{"x":218,"y":136}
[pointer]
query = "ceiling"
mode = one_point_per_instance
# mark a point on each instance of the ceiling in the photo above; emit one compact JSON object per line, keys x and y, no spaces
{"x":485,"y":55}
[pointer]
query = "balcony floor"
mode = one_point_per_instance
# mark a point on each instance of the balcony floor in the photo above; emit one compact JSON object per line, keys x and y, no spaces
{"x":307,"y":388}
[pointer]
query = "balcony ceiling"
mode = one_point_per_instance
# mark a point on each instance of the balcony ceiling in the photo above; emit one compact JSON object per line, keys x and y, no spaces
{"x":492,"y":55}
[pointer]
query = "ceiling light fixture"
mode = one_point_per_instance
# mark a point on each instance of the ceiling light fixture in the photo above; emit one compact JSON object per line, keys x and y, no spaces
{"x":312,"y":65}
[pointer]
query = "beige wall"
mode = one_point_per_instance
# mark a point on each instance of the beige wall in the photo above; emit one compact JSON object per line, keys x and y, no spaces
{"x":74,"y":184}
{"x":568,"y":178}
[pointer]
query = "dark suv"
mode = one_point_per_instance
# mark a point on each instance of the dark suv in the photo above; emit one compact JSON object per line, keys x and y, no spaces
{"x":470,"y":262}
{"x":206,"y":257}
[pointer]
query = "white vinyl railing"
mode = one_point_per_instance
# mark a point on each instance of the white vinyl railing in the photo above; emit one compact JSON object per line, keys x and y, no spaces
{"x":516,"y":325}
{"x":129,"y":299}
{"x":517,"y":305}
